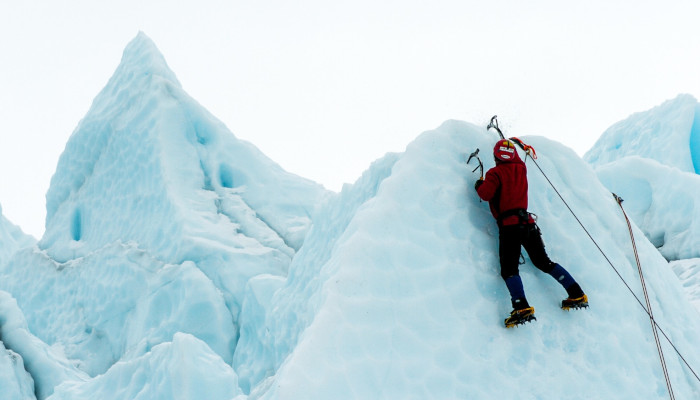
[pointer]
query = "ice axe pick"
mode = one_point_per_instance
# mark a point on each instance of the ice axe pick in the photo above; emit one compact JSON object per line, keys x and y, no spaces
{"x":480,"y":167}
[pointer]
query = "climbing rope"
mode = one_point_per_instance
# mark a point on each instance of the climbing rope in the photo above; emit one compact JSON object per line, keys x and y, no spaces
{"x":529,"y":151}
{"x":646,"y":298}
{"x":646,"y":308}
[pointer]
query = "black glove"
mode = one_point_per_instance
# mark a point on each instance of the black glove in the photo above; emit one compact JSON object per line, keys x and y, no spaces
{"x":478,"y":183}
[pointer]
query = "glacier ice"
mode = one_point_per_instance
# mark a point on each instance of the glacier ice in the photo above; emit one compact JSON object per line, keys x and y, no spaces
{"x":15,"y":382}
{"x":654,"y":167}
{"x":410,"y":302}
{"x":182,"y":369}
{"x":180,"y":262}
{"x":668,"y":133}
{"x":157,"y":217}
{"x":46,"y":365}
{"x":271,"y":327}
{"x":662,"y":201}
{"x":12,"y":239}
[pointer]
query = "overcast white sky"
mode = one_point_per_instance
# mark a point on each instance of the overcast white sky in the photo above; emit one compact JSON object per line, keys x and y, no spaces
{"x":324,"y":87}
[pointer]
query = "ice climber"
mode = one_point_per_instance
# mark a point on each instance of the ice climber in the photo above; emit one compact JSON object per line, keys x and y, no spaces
{"x":505,"y":188}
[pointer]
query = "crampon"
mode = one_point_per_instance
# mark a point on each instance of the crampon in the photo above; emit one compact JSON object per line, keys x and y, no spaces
{"x":579,"y":302}
{"x":520,"y":317}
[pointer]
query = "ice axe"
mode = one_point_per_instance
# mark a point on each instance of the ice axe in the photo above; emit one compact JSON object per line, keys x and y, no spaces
{"x":480,"y":166}
{"x":529,"y":150}
{"x":494,"y":124}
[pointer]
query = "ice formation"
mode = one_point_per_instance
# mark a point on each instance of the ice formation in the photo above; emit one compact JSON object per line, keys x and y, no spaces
{"x":669,"y":134}
{"x":179,"y":262}
{"x":12,"y":239}
{"x":651,"y":160}
{"x":662,"y":200}
{"x":409,"y":303}
{"x":157,"y":216}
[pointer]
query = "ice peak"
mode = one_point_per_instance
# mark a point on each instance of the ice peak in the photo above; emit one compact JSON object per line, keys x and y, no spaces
{"x":141,"y":58}
{"x":135,"y":88}
{"x":147,"y":147}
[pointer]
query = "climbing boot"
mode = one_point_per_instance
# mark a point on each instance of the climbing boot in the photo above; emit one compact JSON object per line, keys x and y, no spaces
{"x":521,"y":316}
{"x":575,"y":303}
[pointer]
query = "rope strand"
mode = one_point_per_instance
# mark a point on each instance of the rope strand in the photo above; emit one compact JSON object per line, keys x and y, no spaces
{"x":646,"y":298}
{"x":655,"y":325}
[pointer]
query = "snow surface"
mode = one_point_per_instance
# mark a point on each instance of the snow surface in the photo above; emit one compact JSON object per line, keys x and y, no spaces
{"x":179,"y":262}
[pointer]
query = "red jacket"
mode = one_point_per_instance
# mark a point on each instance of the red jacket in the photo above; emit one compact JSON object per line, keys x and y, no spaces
{"x":505,"y":188}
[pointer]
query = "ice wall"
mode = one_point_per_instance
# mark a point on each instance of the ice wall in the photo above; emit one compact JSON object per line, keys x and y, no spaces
{"x":11,"y":239}
{"x":662,"y":200}
{"x":117,"y":303}
{"x":667,"y":133}
{"x":167,"y":236}
{"x":148,"y":163}
{"x":33,"y":368}
{"x":15,"y":382}
{"x":179,"y":370}
{"x":407,"y":301}
{"x":157,"y":217}
{"x":651,"y":160}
